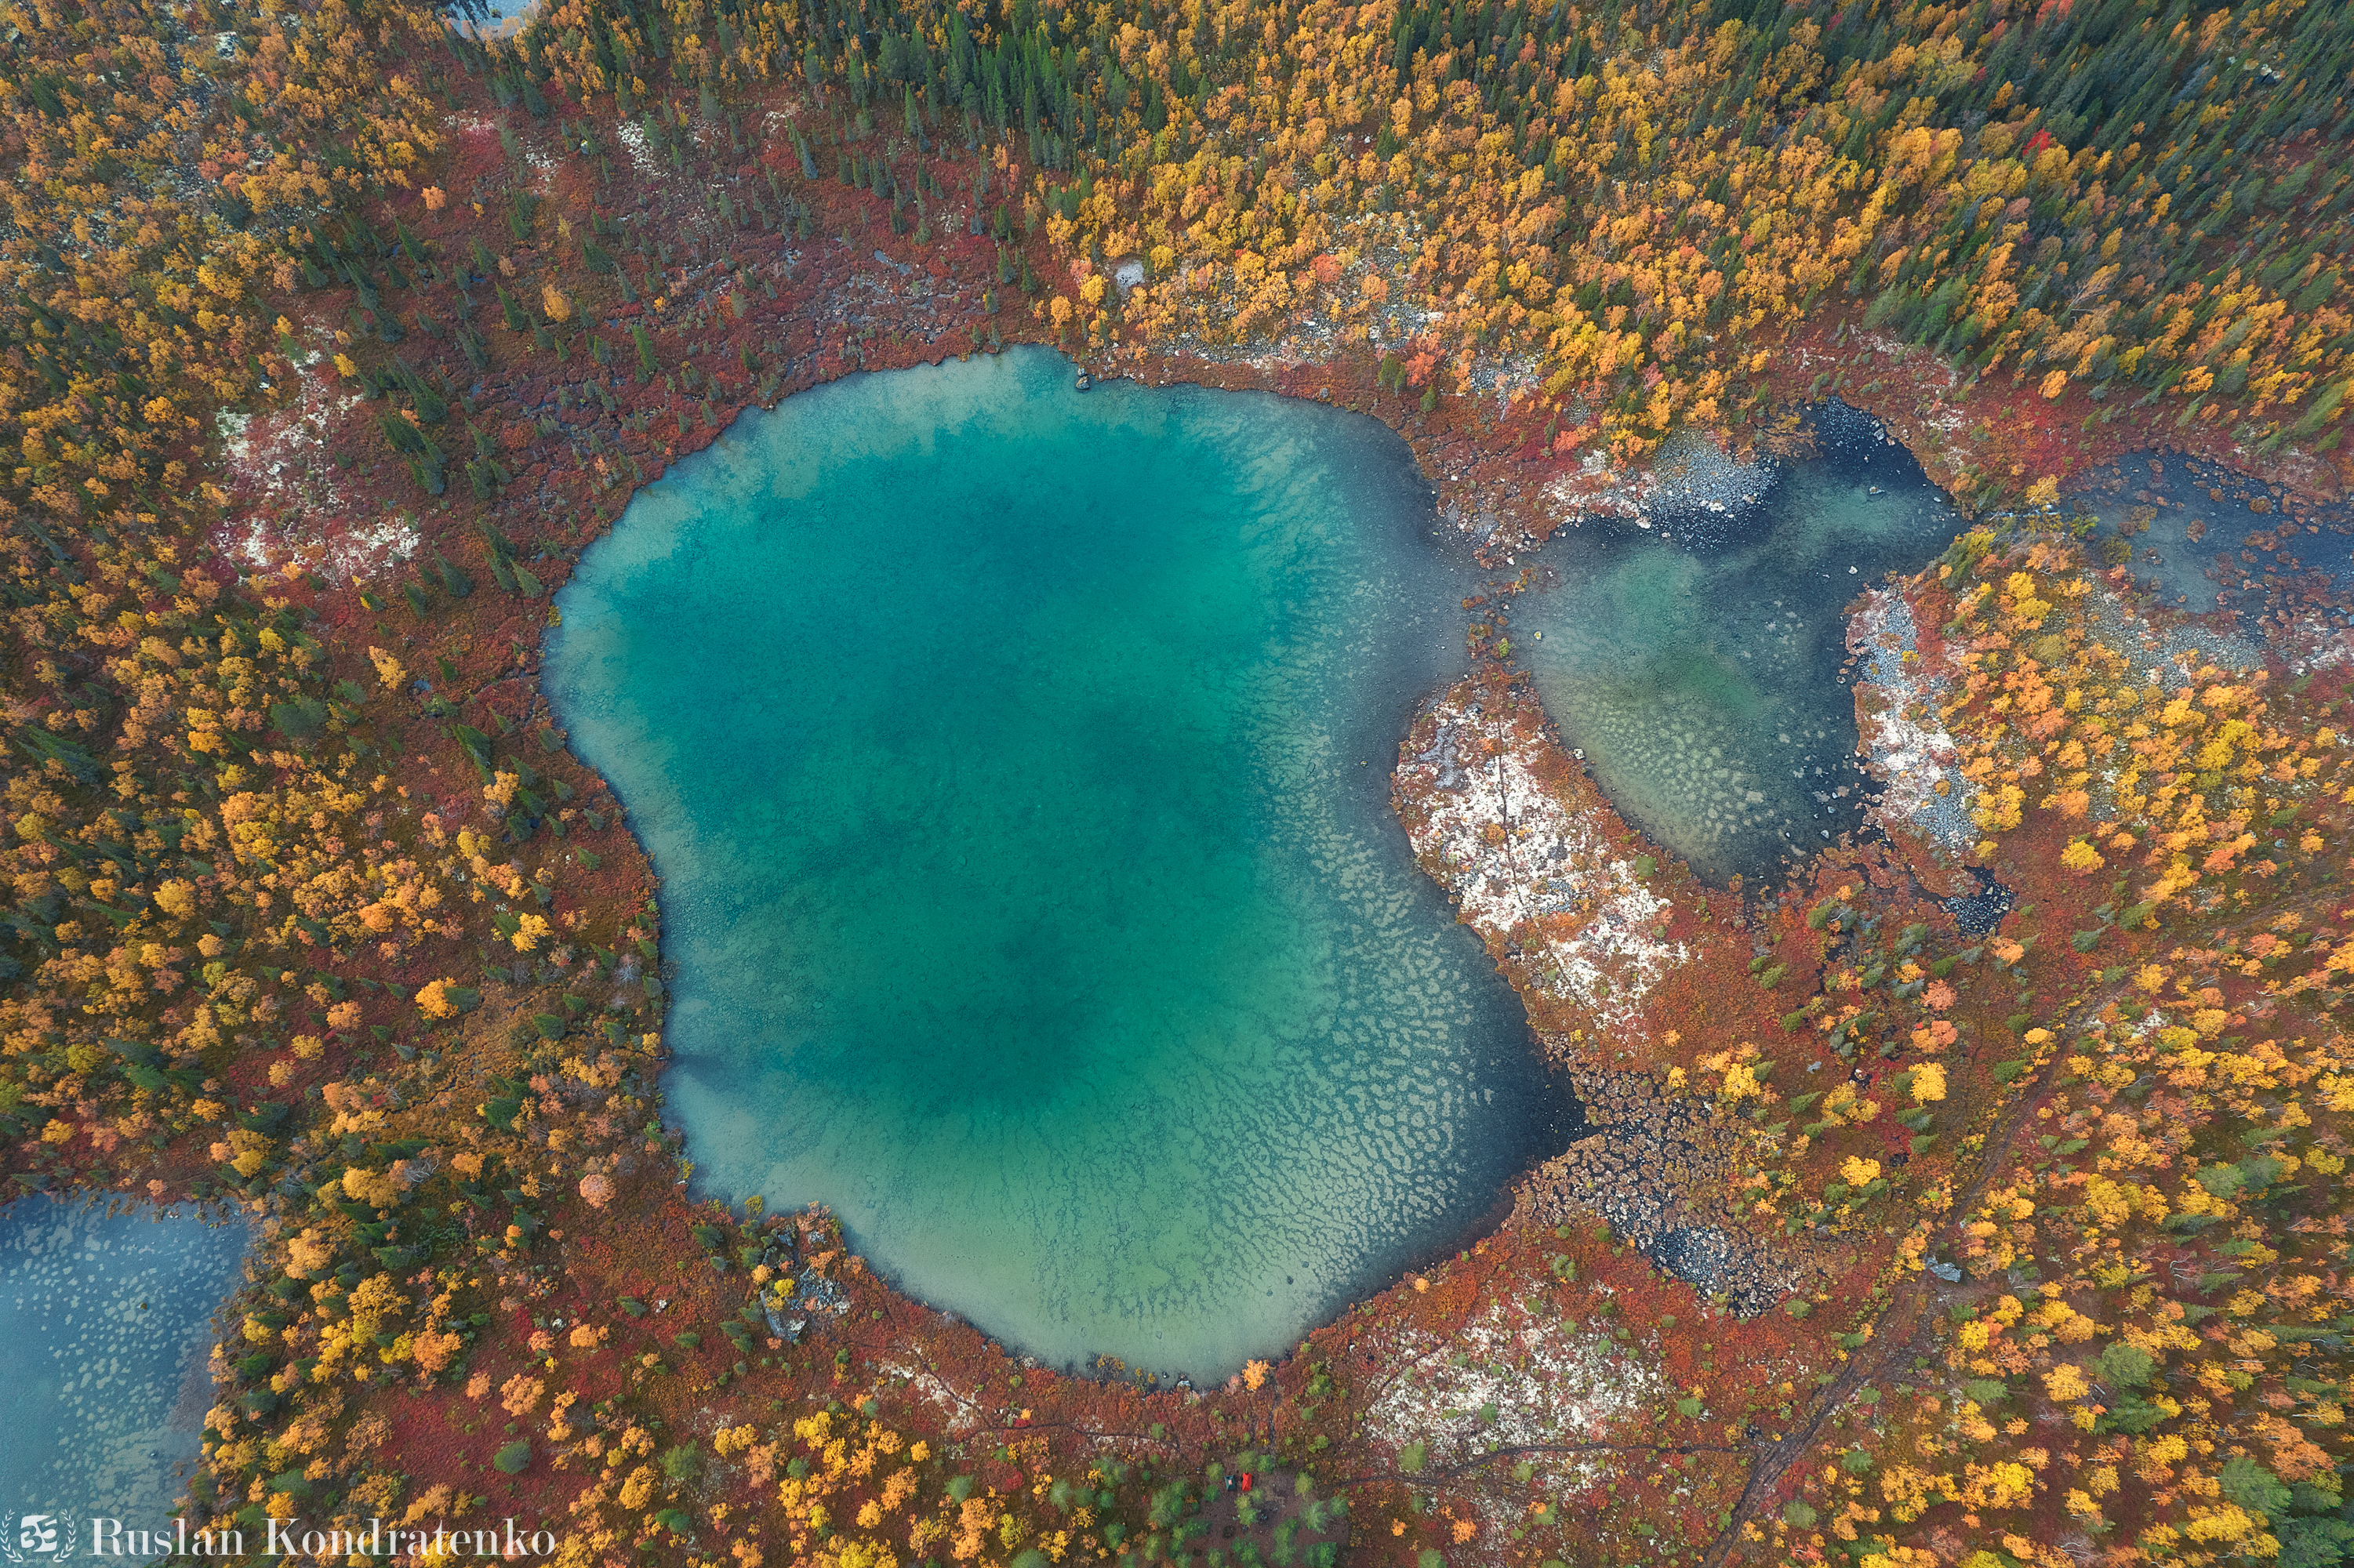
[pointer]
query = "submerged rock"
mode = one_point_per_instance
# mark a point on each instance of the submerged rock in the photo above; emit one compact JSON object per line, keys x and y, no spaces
{"x":104,"y":1333}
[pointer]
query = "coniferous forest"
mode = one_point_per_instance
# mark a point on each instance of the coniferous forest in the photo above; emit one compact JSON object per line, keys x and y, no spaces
{"x":335,"y":331}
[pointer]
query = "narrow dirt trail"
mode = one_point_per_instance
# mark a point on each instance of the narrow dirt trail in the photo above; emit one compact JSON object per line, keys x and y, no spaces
{"x":1899,"y":1332}
{"x":1898,"y":1328}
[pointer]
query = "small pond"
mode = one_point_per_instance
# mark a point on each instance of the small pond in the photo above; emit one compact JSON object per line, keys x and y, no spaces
{"x":2202,"y":538}
{"x":1697,"y":664}
{"x":1016,"y":763}
{"x":105,"y":1336}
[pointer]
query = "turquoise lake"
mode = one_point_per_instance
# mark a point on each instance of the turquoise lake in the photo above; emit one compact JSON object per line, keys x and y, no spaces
{"x":105,"y":1334}
{"x":1016,"y":763}
{"x":1696,"y":664}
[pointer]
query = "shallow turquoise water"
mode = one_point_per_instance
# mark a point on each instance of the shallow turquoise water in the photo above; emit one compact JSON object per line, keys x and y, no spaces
{"x":105,"y":1329}
{"x":1000,"y":749}
{"x":1697,"y":664}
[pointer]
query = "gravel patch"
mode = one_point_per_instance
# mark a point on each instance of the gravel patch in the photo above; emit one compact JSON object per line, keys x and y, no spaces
{"x":1905,"y":747}
{"x":1515,"y":1374}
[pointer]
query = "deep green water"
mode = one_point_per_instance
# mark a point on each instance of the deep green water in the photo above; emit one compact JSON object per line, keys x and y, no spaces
{"x":1697,"y":664}
{"x":1016,"y":763}
{"x":105,"y":1329}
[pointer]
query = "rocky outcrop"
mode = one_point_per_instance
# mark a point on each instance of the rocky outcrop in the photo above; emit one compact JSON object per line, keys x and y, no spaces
{"x":1655,"y":1167}
{"x":1504,"y":821}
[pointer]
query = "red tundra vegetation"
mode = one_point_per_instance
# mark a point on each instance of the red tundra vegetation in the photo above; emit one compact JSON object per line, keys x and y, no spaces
{"x":333,"y":335}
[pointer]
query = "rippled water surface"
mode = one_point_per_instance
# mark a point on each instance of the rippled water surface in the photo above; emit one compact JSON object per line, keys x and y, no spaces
{"x":1697,"y":664}
{"x":1015,"y":761}
{"x":105,"y":1328}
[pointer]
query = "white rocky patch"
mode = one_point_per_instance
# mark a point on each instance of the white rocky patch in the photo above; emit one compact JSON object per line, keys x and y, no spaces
{"x":290,"y":505}
{"x":1690,"y":474}
{"x":1903,"y":743}
{"x":1516,"y":1375}
{"x":959,"y":1414}
{"x":1515,"y":858}
{"x":642,"y":157}
{"x":1910,"y":752}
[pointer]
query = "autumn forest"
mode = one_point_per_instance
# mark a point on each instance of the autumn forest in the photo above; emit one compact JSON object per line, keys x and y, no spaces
{"x":336,"y":329}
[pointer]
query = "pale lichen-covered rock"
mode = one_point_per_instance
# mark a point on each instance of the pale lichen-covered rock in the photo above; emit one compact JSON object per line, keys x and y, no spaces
{"x":1902,"y":741}
{"x":1516,"y":1374}
{"x":1493,"y":806}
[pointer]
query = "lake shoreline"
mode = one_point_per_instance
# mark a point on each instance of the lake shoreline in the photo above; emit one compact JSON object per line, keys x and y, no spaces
{"x":1488,"y":466}
{"x":1283,"y":534}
